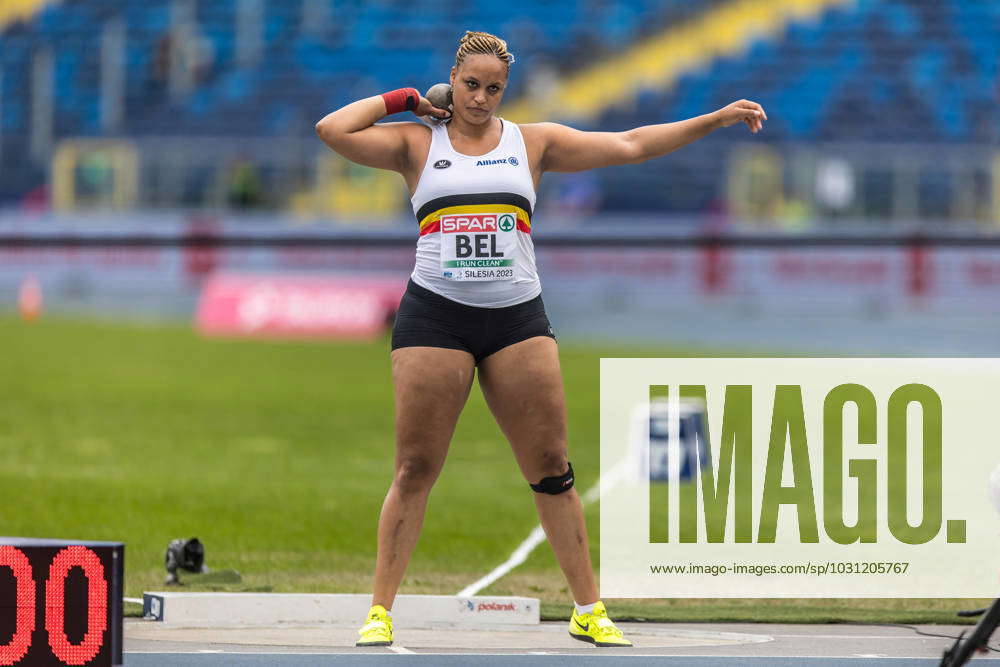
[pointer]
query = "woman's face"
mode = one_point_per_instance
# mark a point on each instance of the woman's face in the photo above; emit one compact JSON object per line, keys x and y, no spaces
{"x":477,"y":87}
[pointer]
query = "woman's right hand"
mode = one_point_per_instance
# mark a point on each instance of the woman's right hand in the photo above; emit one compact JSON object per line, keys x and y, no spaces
{"x":425,"y":108}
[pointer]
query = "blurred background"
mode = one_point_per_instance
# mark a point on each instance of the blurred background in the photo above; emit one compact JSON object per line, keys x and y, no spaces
{"x":149,"y":147}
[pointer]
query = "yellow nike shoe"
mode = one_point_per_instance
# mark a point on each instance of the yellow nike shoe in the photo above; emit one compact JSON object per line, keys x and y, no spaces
{"x":596,"y":628}
{"x":378,"y":630}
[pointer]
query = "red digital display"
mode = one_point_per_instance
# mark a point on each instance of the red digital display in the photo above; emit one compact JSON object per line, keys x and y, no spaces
{"x":60,"y":604}
{"x":24,"y":617}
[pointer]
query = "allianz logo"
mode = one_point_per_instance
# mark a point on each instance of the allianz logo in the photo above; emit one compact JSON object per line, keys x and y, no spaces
{"x":504,"y":160}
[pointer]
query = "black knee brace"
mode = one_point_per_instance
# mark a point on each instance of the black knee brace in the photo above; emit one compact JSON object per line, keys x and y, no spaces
{"x":555,"y":485}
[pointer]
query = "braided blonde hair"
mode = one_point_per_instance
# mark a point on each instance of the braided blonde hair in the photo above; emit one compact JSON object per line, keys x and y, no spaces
{"x":474,"y":42}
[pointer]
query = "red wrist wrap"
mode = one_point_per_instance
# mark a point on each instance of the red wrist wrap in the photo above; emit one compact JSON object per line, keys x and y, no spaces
{"x":401,"y":99}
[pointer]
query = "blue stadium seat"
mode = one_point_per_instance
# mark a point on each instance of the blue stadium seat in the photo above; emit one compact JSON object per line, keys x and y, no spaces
{"x":897,"y":70}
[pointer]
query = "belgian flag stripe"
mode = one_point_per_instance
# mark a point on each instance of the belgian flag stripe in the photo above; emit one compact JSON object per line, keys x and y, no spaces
{"x":448,"y":201}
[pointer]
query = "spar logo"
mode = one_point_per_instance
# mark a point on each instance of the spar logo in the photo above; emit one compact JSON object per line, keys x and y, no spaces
{"x":474,"y":223}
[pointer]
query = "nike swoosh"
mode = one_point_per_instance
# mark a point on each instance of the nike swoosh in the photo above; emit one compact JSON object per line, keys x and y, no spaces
{"x":582,"y":626}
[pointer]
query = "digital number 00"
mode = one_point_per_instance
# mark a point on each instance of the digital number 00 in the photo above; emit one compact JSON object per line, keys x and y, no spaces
{"x":55,"y":590}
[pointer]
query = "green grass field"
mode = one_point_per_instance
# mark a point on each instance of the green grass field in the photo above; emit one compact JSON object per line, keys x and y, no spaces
{"x":277,"y":456}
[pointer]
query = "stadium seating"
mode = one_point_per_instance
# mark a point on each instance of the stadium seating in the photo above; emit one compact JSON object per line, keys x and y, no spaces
{"x":919,"y":71}
{"x":900,"y":70}
{"x":907,"y":71}
{"x":316,"y":55}
{"x":18,"y":10}
{"x":893,"y":70}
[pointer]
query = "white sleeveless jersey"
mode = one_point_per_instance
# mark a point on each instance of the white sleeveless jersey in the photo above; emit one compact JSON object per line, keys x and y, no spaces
{"x":474,"y":213}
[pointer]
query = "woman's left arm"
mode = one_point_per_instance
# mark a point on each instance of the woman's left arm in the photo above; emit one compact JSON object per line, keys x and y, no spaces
{"x":567,"y":149}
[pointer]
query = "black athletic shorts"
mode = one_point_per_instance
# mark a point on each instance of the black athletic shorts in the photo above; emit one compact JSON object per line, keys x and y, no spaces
{"x":427,"y":319}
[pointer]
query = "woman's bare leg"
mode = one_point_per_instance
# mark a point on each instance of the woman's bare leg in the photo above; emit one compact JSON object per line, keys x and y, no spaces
{"x":431,"y":387}
{"x":523,"y":387}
